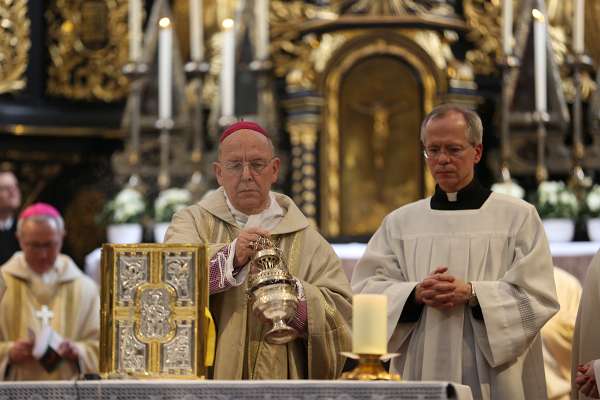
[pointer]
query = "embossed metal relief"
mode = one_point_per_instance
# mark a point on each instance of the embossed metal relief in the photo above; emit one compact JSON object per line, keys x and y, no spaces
{"x":132,"y":354}
{"x":153,"y":311}
{"x":177,"y":354}
{"x":133,"y":271}
{"x":156,"y":313}
{"x":14,"y":45}
{"x":87,"y":42}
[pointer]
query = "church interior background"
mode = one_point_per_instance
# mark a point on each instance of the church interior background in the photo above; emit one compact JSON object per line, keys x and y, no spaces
{"x":342,"y":86}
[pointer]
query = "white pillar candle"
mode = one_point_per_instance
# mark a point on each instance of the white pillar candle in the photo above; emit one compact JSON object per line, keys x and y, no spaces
{"x":261,"y":12}
{"x":228,"y":69}
{"x":196,"y":30}
{"x":165,"y":61}
{"x":507,"y":23}
{"x":369,"y":324}
{"x":578,"y":26}
{"x":135,"y":30}
{"x":539,"y":47}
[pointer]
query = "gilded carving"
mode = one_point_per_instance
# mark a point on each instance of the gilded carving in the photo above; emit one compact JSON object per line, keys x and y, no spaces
{"x":14,"y":45}
{"x":154,"y":300}
{"x":88,"y":48}
{"x":483,"y":19}
{"x":375,"y":110}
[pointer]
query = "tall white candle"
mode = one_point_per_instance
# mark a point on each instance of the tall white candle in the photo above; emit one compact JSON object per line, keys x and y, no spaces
{"x":135,"y":30}
{"x":165,"y":67}
{"x":578,"y":27}
{"x":196,"y":30}
{"x":539,"y":47}
{"x":228,"y":69}
{"x":507,"y":23}
{"x":261,"y":12}
{"x":369,"y":324}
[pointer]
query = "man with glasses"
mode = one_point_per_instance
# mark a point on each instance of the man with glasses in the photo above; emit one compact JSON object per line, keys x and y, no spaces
{"x":232,"y":219}
{"x":47,"y":297}
{"x":10,"y":201}
{"x":467,"y":272}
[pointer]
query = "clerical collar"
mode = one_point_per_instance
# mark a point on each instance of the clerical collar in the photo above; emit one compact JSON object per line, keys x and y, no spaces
{"x":269,"y":217}
{"x":471,"y":197}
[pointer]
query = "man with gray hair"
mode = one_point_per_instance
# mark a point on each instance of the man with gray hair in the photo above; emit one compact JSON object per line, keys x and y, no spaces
{"x":467,"y":272}
{"x":47,"y":297}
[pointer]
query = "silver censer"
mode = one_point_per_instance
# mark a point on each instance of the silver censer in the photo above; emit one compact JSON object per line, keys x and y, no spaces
{"x":273,"y":292}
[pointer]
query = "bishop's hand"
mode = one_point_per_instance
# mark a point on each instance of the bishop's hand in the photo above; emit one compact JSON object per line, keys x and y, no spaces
{"x":20,"y":351}
{"x":68,"y":350}
{"x":245,"y":246}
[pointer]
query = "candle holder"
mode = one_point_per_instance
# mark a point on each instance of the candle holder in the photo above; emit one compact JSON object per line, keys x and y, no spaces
{"x":135,"y":72}
{"x":541,"y":171}
{"x":196,"y":72}
{"x":262,"y":69}
{"x":370,"y":368}
{"x":165,"y":125}
{"x":507,"y":64}
{"x":578,"y":181}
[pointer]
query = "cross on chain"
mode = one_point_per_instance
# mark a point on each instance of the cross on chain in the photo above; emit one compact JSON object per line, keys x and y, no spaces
{"x":44,"y":315}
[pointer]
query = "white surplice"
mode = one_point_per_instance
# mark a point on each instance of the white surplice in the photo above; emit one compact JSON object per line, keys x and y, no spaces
{"x":502,"y":249}
{"x":586,"y":338}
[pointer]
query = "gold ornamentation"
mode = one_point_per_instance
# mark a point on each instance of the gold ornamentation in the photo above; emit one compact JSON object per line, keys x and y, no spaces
{"x":483,"y":19}
{"x":333,"y":214}
{"x":14,"y":45}
{"x":87,"y":46}
{"x":153,"y":323}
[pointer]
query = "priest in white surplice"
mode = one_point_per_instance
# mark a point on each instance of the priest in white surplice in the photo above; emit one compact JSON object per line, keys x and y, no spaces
{"x":468,"y":274}
{"x":585,"y":373}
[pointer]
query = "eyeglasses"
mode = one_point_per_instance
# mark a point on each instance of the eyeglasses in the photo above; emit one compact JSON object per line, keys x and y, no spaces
{"x":237,"y":167}
{"x":37,"y":246}
{"x":453,"y":151}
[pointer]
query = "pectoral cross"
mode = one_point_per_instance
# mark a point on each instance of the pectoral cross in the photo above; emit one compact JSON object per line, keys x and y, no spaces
{"x":44,"y":315}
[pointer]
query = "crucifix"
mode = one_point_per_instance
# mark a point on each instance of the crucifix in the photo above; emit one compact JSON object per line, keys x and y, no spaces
{"x":44,"y":315}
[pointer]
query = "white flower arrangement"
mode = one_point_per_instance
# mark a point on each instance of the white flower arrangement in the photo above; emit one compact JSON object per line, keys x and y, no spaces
{"x":170,"y":201}
{"x":555,"y":200}
{"x":510,"y":188}
{"x":128,"y":206}
{"x":592,"y":202}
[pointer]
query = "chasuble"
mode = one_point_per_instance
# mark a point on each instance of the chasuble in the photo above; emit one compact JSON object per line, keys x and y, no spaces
{"x":242,"y":352}
{"x":75,"y":305}
{"x":501,"y":248}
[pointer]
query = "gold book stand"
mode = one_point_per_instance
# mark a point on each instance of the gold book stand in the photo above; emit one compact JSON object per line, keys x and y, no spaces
{"x":154,"y":314}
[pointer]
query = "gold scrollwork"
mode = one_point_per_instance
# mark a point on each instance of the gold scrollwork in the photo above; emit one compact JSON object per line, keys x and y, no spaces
{"x":14,"y":45}
{"x":87,"y":46}
{"x":483,"y":20}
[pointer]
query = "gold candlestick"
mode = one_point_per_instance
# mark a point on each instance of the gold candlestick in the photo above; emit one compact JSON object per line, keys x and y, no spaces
{"x":369,"y":368}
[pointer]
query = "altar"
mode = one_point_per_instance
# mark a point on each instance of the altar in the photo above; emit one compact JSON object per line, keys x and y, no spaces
{"x":231,"y":390}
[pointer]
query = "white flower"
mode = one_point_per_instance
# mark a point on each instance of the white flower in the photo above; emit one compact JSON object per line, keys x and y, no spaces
{"x":170,"y":201}
{"x":510,"y":188}
{"x":127,"y":206}
{"x":592,"y":199}
{"x":555,"y":200}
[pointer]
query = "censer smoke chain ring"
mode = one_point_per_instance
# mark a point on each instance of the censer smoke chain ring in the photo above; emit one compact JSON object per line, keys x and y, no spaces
{"x":273,"y":292}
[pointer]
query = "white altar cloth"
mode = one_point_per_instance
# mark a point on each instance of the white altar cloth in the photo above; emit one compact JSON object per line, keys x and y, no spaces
{"x":231,"y":390}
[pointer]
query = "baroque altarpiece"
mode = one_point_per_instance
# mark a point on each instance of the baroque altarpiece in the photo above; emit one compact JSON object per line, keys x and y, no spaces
{"x":346,"y":85}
